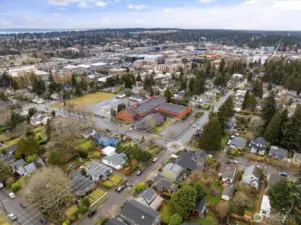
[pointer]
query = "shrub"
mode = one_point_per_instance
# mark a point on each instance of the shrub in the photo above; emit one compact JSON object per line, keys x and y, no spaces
{"x":140,"y":187}
{"x":108,"y":184}
{"x":83,"y":153}
{"x":16,"y":186}
{"x":66,"y":222}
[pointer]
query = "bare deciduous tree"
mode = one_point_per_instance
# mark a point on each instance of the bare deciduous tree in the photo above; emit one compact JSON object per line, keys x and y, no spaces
{"x":48,"y":189}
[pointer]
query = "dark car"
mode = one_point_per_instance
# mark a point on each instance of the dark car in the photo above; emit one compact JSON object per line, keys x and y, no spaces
{"x":44,"y":220}
{"x":23,"y":205}
{"x":91,"y":212}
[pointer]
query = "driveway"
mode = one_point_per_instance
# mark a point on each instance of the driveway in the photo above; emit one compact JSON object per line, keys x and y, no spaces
{"x":28,"y":216}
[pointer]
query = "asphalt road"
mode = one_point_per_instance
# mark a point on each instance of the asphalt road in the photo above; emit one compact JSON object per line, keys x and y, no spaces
{"x":24,"y":216}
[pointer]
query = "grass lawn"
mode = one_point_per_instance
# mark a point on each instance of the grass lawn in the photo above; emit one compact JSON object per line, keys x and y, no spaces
{"x":165,"y":213}
{"x":3,"y":137}
{"x":38,"y":129}
{"x":95,"y":195}
{"x":71,"y":211}
{"x":3,"y":220}
{"x":86,"y":99}
{"x":211,"y":198}
{"x":94,"y":155}
{"x":209,"y":220}
{"x":224,"y":141}
{"x":86,"y":145}
{"x":166,"y":124}
{"x":116,"y":179}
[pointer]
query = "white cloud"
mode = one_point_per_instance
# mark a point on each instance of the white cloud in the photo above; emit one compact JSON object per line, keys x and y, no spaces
{"x":288,"y":5}
{"x":100,"y":3}
{"x":206,"y":1}
{"x":136,"y":7}
{"x":63,"y":2}
{"x":83,"y":5}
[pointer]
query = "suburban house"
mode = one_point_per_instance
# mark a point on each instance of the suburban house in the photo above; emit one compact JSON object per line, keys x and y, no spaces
{"x":265,"y":208}
{"x":251,"y":176}
{"x":89,"y":132}
{"x":17,"y":164}
{"x":108,"y":151}
{"x":149,"y":197}
{"x":38,"y":119}
{"x":115,"y":221}
{"x":278,"y":153}
{"x":97,"y":171}
{"x":237,"y":143}
{"x":9,"y":156}
{"x":173,"y":172}
{"x":201,"y":206}
{"x":191,"y":160}
{"x":26,"y":169}
{"x":116,"y":161}
{"x":164,"y":185}
{"x":149,"y":122}
{"x":141,"y":109}
{"x":297,"y":159}
{"x":273,"y":179}
{"x":136,"y":213}
{"x":227,"y":173}
{"x":81,"y":185}
{"x":177,"y":111}
{"x":228,"y":193}
{"x":105,"y":140}
{"x":258,"y":145}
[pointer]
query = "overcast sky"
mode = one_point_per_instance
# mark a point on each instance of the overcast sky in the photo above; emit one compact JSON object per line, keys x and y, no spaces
{"x":198,"y":14}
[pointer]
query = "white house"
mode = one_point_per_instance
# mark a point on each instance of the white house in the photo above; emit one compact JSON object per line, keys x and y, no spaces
{"x":109,"y":150}
{"x":116,"y":161}
{"x":38,"y":119}
{"x":252,"y":176}
{"x":265,"y":208}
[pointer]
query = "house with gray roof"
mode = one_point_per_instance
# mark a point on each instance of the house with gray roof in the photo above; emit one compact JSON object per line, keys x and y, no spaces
{"x":191,"y":160}
{"x":150,"y":198}
{"x":89,"y":132}
{"x":135,"y":213}
{"x":164,"y":185}
{"x":227,"y":173}
{"x":115,"y":221}
{"x":97,"y":171}
{"x":8,"y":155}
{"x":38,"y":119}
{"x":81,"y":185}
{"x":258,"y":145}
{"x":278,"y":153}
{"x":237,"y":143}
{"x":273,"y":179}
{"x":252,"y":176}
{"x":116,"y":160}
{"x":149,"y":122}
{"x":173,"y":171}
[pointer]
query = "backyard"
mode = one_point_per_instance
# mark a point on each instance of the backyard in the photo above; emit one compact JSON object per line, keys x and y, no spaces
{"x":210,"y":219}
{"x":86,"y":99}
{"x":214,"y":198}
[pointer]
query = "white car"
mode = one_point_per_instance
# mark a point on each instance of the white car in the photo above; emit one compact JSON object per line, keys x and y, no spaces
{"x":234,"y":161}
{"x":194,"y":125}
{"x":12,"y":195}
{"x":1,"y":185}
{"x":12,"y":216}
{"x":155,"y":159}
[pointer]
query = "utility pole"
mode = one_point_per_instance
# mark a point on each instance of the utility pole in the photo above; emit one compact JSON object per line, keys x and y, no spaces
{"x":3,"y":207}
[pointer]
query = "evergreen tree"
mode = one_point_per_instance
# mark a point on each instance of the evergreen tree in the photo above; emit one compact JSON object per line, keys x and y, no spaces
{"x":138,"y":78}
{"x":73,"y":80}
{"x":250,"y":77}
{"x":252,"y":103}
{"x":292,"y":131}
{"x":257,"y":88}
{"x":272,"y":132}
{"x":5,"y":171}
{"x":211,"y":138}
{"x":222,"y":65}
{"x":78,"y":90}
{"x":167,"y":94}
{"x":268,"y":109}
{"x":246,"y":100}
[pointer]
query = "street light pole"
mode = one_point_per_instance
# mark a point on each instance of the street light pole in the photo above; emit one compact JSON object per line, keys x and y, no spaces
{"x":3,"y":207}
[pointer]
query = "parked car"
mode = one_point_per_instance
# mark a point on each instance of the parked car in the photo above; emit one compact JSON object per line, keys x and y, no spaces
{"x":43,"y":220}
{"x":91,"y":212}
{"x":234,"y":161}
{"x":122,"y":186}
{"x":155,"y":159}
{"x":12,"y":216}
{"x":1,"y":185}
{"x":12,"y":195}
{"x":22,"y":205}
{"x":194,"y":125}
{"x":139,"y":172}
{"x":283,"y":174}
